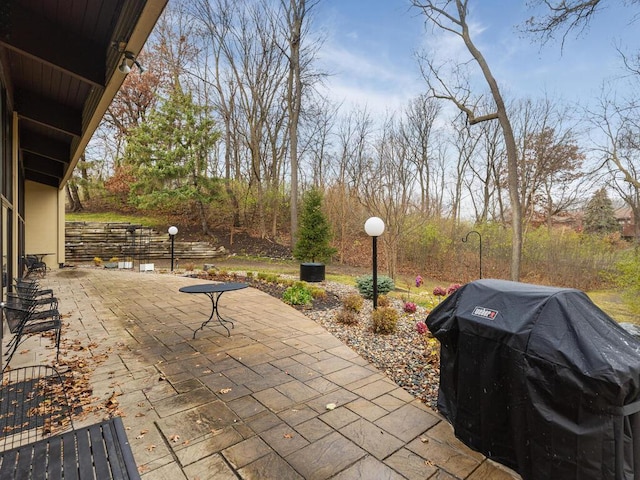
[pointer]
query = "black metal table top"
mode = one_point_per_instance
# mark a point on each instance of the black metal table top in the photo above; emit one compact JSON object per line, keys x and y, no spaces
{"x":213,"y":287}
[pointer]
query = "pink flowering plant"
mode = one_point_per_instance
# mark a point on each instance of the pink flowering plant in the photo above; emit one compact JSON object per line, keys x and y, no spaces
{"x":439,"y":292}
{"x":422,"y":328}
{"x":410,"y":307}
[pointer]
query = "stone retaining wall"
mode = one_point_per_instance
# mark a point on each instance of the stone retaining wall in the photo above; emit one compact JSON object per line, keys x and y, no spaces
{"x":86,"y":240}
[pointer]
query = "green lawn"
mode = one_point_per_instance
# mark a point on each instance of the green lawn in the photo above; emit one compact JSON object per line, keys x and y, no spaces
{"x":611,"y":302}
{"x":109,"y":217}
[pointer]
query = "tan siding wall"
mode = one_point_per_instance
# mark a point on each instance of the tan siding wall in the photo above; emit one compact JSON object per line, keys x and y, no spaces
{"x":42,"y":224}
{"x":61,"y":230}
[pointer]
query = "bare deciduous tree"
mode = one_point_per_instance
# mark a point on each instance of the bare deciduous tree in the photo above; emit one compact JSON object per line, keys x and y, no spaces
{"x":620,"y":150}
{"x":296,"y":13}
{"x":317,"y":146}
{"x":464,"y":143}
{"x":564,"y":16}
{"x":354,"y":139}
{"x":245,"y":41}
{"x":418,"y":133}
{"x":550,"y":158}
{"x":388,"y":190}
{"x":451,"y":16}
{"x":485,"y":187}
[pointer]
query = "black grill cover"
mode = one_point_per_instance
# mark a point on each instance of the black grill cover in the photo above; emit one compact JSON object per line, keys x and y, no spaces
{"x":539,"y":379}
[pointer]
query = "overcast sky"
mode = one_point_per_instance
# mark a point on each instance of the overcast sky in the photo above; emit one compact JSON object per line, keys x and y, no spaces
{"x":370,"y":50}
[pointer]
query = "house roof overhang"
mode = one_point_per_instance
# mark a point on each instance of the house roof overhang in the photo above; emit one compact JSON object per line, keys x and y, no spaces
{"x":59,"y":62}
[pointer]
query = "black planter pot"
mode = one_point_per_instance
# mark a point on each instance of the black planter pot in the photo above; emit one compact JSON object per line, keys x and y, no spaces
{"x":312,"y":272}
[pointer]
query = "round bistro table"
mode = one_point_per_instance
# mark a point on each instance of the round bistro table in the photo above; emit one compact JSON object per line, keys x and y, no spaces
{"x":214,"y":291}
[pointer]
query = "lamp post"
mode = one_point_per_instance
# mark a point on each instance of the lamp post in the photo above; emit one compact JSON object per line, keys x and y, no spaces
{"x":173,"y":231}
{"x":480,"y":240}
{"x":374,"y":227}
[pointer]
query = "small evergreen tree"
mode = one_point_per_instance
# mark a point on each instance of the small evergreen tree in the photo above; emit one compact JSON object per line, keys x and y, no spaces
{"x":314,"y":233}
{"x":599,"y":215}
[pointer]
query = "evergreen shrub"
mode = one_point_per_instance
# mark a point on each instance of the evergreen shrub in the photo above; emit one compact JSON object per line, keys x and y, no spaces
{"x":314,"y":232}
{"x":364,"y":285}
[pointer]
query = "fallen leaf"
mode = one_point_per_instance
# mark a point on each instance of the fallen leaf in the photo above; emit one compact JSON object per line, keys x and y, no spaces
{"x":225,"y":390}
{"x":151,"y":448}
{"x":288,"y":435}
{"x":112,"y":402}
{"x":174,"y":438}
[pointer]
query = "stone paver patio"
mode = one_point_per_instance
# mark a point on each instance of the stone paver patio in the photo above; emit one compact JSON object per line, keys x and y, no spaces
{"x":249,"y":406}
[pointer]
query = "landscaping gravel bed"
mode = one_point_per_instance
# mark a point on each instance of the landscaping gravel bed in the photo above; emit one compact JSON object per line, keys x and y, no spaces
{"x":400,"y":355}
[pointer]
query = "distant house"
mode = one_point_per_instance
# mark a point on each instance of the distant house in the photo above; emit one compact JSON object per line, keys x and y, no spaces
{"x":624,"y":216}
{"x":566,"y":220}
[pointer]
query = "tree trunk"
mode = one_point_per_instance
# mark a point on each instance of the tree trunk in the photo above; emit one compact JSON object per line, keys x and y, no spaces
{"x":75,"y":205}
{"x":294,"y":100}
{"x":202,"y":213}
{"x":512,"y":154}
{"x":85,"y":180}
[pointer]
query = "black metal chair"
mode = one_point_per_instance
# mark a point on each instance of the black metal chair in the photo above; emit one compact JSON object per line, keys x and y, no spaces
{"x":30,"y":287}
{"x":33,"y":406}
{"x":34,"y":265}
{"x":24,"y":321}
{"x":29,"y":294}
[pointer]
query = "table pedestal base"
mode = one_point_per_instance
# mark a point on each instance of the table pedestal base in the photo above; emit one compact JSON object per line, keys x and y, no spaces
{"x":215,"y":297}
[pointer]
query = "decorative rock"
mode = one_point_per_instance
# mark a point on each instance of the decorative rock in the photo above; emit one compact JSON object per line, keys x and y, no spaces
{"x":401,"y":355}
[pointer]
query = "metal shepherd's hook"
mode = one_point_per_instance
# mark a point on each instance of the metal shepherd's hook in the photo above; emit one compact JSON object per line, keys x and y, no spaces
{"x":466,"y":238}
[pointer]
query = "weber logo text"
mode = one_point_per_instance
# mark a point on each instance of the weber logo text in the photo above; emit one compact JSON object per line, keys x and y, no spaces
{"x":484,"y":313}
